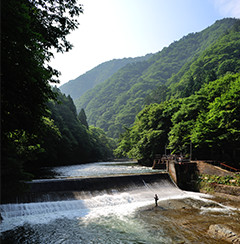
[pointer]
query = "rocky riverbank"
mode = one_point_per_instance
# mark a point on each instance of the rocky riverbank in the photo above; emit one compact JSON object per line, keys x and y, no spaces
{"x":213,"y":220}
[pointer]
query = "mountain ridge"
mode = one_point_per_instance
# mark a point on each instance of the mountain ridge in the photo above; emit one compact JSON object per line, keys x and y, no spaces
{"x":77,"y":87}
{"x":113,"y":104}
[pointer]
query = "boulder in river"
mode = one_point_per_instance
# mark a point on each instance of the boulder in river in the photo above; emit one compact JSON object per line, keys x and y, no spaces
{"x":222,"y":232}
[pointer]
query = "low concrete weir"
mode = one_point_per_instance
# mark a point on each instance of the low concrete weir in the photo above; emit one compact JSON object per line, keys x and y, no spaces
{"x":120,"y":183}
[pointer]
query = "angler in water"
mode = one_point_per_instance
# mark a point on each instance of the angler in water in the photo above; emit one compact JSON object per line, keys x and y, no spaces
{"x":156,"y":199}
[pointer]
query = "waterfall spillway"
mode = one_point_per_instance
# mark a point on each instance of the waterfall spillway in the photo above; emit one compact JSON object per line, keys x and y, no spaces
{"x":94,"y":207}
{"x":77,"y":197}
{"x":121,"y":183}
{"x":80,"y":188}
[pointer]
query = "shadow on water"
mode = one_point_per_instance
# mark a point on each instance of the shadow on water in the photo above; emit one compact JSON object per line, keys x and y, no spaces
{"x":102,"y":215}
{"x":77,"y":231}
{"x":117,"y":209}
{"x":184,"y":220}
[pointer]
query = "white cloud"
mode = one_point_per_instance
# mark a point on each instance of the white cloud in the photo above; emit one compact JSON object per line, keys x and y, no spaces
{"x":228,"y":8}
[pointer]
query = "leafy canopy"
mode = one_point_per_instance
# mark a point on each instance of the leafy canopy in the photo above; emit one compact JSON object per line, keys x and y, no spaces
{"x":209,"y":120}
{"x":31,"y":30}
{"x":176,"y":71}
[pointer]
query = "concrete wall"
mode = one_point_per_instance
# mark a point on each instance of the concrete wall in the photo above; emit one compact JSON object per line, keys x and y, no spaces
{"x":206,"y":168}
{"x":95,"y":184}
{"x":172,"y":170}
{"x":185,"y":175}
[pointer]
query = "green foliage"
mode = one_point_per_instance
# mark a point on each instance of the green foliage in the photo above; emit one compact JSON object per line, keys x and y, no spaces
{"x":77,"y":87}
{"x":104,"y":112}
{"x":224,"y":180}
{"x":177,"y":71}
{"x":158,"y":95}
{"x":68,"y":140}
{"x":219,"y":125}
{"x":83,"y":118}
{"x":102,"y":145}
{"x":183,"y":122}
{"x":149,"y":134}
{"x":30,"y":31}
{"x":209,"y":120}
{"x":37,"y":130}
{"x":73,"y":144}
{"x":215,"y":61}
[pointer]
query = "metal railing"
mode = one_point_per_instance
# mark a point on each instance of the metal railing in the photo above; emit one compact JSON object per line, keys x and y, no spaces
{"x":230,"y":168}
{"x":221,"y":165}
{"x":161,"y":159}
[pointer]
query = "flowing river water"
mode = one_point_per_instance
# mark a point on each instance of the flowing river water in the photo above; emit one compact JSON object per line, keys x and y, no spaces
{"x":117,"y":215}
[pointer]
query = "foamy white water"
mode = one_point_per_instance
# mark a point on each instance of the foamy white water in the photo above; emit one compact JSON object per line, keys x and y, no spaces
{"x":107,"y":217}
{"x":87,"y":209}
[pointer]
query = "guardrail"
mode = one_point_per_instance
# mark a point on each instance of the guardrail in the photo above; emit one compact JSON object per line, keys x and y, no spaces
{"x":221,"y":165}
{"x":162,"y":159}
{"x":230,"y":168}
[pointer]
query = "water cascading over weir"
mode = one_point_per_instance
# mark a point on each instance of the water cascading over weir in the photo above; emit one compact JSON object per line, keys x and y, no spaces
{"x":107,"y":203}
{"x":75,"y":188}
{"x":80,"y":187}
{"x":60,"y":197}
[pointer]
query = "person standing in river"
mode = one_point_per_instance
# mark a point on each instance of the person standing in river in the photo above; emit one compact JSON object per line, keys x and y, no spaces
{"x":156,"y":199}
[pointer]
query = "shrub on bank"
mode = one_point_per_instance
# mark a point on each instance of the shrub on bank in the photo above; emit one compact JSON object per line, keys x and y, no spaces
{"x":230,"y":180}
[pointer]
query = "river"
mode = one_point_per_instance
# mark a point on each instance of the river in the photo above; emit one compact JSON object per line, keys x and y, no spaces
{"x":118,"y":215}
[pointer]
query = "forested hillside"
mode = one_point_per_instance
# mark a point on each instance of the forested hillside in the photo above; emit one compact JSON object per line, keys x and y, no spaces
{"x":207,"y":121}
{"x":75,"y":88}
{"x":72,"y":140}
{"x":188,"y":93}
{"x":177,"y":71}
{"x":39,"y":126}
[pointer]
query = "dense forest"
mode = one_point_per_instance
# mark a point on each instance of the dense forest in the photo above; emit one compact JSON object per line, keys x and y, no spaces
{"x":72,"y":140}
{"x":186,"y":95}
{"x":77,"y":87}
{"x":39,"y":125}
{"x":195,"y":111}
{"x":176,"y":71}
{"x":208,"y":121}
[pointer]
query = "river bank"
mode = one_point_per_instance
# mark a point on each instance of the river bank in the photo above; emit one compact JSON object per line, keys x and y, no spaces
{"x":215,"y":220}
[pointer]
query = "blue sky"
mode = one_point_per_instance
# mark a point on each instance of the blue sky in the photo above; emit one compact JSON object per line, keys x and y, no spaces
{"x":112,"y":29}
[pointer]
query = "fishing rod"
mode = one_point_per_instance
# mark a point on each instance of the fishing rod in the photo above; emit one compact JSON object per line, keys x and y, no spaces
{"x":147,"y":185}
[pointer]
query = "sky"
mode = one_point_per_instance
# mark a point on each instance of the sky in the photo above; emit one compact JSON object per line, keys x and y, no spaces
{"x":113,"y":29}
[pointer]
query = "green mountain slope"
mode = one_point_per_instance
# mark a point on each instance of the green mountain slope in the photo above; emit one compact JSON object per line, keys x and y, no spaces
{"x":221,"y":57}
{"x":75,"y":88}
{"x":68,"y":140}
{"x":208,"y":120}
{"x":113,"y":104}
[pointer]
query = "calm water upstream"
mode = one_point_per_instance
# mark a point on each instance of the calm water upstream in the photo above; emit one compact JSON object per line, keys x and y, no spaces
{"x":116,"y":216}
{"x":101,"y":169}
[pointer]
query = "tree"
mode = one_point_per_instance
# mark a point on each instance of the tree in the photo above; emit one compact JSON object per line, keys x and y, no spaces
{"x":218,"y":127}
{"x":83,"y":118}
{"x":157,"y":95}
{"x":149,"y":134}
{"x":102,"y":146}
{"x":183,"y":121}
{"x":209,"y":120}
{"x":31,"y":30}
